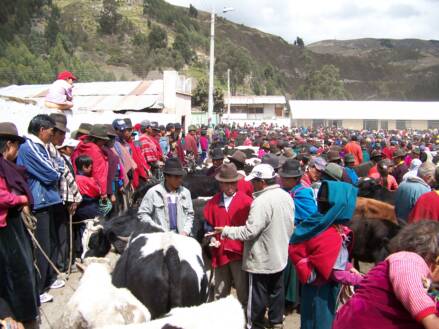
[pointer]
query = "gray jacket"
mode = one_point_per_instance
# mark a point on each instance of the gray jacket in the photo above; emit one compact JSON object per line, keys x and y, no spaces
{"x":154,"y":209}
{"x":267,"y":232}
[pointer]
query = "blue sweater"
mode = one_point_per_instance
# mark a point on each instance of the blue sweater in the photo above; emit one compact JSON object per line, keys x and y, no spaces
{"x":43,"y":177}
{"x":406,"y":196}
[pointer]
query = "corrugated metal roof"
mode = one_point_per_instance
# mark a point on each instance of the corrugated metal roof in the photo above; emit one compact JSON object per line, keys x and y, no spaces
{"x":253,"y":100}
{"x":368,"y":110}
{"x":100,"y":96}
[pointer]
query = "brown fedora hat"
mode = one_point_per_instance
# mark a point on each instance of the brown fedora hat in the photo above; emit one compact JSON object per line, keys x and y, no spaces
{"x":228,"y":173}
{"x":238,"y":156}
{"x":9,"y":130}
{"x":60,"y":121}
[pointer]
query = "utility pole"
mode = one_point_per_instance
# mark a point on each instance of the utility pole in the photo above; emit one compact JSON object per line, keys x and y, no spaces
{"x":211,"y":68}
{"x":228,"y":95}
{"x":212,"y":64}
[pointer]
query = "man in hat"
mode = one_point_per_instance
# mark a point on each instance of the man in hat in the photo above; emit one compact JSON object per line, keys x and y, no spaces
{"x":149,"y":145}
{"x":164,"y":141}
{"x":134,"y":163}
{"x":266,"y":235}
{"x":82,"y":132}
{"x":68,"y":190}
{"x":400,"y":168}
{"x":191,"y":141}
{"x":349,"y":162}
{"x":168,"y":205}
{"x":43,"y":182}
{"x":204,"y":145}
{"x":229,"y":207}
{"x":375,"y":157}
{"x":354,"y":148}
{"x":217,"y":156}
{"x":238,"y":158}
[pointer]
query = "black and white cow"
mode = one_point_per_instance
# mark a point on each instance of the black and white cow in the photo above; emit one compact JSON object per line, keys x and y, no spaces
{"x":163,"y":270}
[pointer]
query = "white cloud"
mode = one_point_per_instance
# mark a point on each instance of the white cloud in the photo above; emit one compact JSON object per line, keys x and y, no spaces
{"x":315,"y":20}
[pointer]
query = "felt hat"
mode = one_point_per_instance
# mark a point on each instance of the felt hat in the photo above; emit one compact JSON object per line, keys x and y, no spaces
{"x":228,"y":173}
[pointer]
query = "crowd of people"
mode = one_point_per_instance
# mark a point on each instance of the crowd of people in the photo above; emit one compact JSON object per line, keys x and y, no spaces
{"x":276,"y":232}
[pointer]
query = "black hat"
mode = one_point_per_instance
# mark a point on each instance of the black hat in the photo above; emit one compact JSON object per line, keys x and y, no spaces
{"x":291,"y":168}
{"x":99,"y":131}
{"x":162,"y":127}
{"x":128,"y":123}
{"x":170,"y":126}
{"x":217,"y":154}
{"x":177,"y":125}
{"x":272,"y":160}
{"x":155,"y":125}
{"x":9,"y":130}
{"x":173,"y":167}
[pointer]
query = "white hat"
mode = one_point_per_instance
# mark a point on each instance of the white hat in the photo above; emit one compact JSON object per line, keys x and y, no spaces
{"x":69,"y":142}
{"x":261,"y":171}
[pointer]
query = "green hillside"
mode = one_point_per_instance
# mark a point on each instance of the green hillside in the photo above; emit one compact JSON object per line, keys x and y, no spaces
{"x":129,"y":39}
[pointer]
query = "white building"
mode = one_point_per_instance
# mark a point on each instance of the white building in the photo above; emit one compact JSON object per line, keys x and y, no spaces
{"x":365,"y":114}
{"x":256,"y":109}
{"x":165,"y":100}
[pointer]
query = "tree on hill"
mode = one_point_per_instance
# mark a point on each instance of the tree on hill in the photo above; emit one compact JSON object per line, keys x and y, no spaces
{"x":181,"y":44}
{"x":52,"y":28}
{"x":157,"y":38}
{"x":323,"y":84}
{"x":110,"y":19}
{"x":193,"y":12}
{"x":200,"y":97}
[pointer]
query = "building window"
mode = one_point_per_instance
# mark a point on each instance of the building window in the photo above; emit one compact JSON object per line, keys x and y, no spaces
{"x":433,"y":124}
{"x":384,"y":124}
{"x":401,"y":124}
{"x":370,"y":124}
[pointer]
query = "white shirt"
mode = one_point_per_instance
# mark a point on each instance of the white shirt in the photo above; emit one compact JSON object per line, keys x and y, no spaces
{"x":228,"y":200}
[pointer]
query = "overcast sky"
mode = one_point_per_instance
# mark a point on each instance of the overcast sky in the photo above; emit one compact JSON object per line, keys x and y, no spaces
{"x":316,"y":20}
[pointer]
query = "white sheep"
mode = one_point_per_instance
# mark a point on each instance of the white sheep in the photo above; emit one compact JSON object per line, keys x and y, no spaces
{"x":97,"y":303}
{"x":226,"y":313}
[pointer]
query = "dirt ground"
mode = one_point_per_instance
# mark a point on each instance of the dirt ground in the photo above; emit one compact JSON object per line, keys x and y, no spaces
{"x":51,"y":312}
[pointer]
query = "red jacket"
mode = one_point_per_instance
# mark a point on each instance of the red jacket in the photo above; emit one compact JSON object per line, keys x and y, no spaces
{"x":355,"y":149}
{"x":246,"y":187}
{"x":88,"y":186}
{"x":191,"y":144}
{"x":142,"y":165}
{"x":216,"y":215}
{"x":426,"y":207}
{"x":100,"y":163}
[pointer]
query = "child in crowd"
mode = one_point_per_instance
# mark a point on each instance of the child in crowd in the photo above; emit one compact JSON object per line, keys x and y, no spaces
{"x":60,"y":92}
{"x":90,"y":191}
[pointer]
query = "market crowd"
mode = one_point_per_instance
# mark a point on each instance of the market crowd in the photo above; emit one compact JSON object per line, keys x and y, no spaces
{"x":276,"y":232}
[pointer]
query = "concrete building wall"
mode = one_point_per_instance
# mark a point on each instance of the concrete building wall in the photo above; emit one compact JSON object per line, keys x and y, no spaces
{"x":418,"y":124}
{"x":353,"y":124}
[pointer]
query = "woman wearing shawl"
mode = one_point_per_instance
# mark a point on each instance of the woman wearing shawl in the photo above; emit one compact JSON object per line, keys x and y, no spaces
{"x":304,"y":206}
{"x":319,"y":251}
{"x":18,"y":285}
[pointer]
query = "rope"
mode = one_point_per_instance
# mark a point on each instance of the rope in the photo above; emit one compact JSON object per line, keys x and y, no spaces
{"x":30,"y":223}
